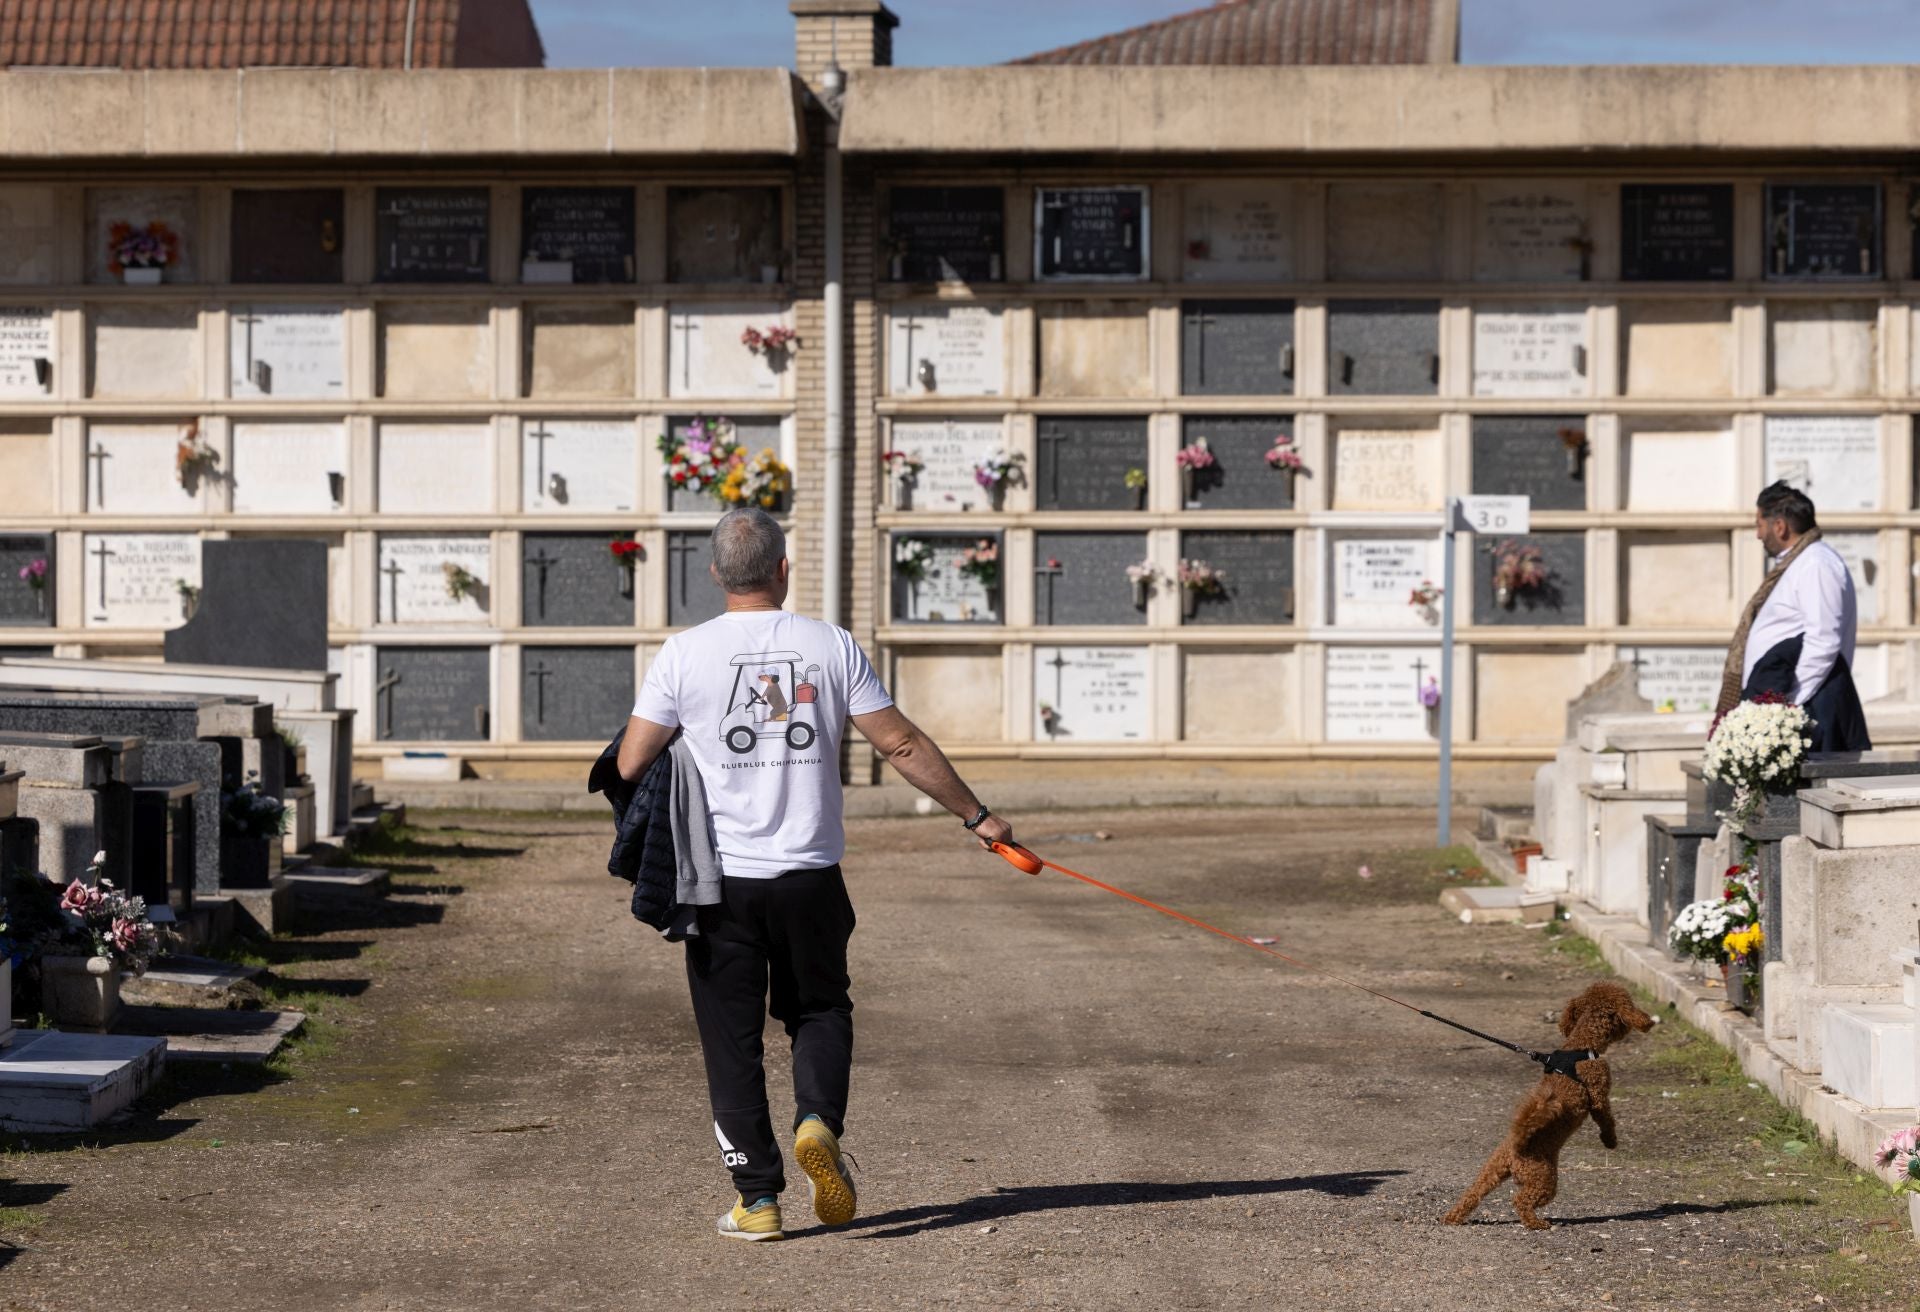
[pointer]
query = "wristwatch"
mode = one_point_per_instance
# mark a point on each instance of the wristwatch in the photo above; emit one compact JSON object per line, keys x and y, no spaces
{"x":978,"y":816}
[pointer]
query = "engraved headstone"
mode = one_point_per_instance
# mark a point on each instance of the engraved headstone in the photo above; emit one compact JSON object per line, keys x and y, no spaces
{"x":574,"y":694}
{"x":133,"y":469}
{"x":576,"y":234}
{"x":435,"y":469}
{"x":1239,"y":477}
{"x":573,"y":580}
{"x":724,"y":234}
{"x":692,"y":595}
{"x":288,"y":352}
{"x":755,"y":433}
{"x":945,"y":350}
{"x":1092,"y":694}
{"x":1383,"y":348}
{"x":1084,"y":460}
{"x":1373,"y":693}
{"x":26,"y":580}
{"x":930,"y":587}
{"x":578,"y":466}
{"x":1236,"y":348}
{"x":1861,"y":551}
{"x":1542,"y":457}
{"x":1257,"y":582}
{"x":169,"y":215}
{"x":1091,"y":233}
{"x":1373,"y":578}
{"x":1835,"y":459}
{"x":707,"y":355}
{"x":433,"y":579}
{"x":1238,"y":231}
{"x":432,"y":694}
{"x":29,"y":234}
{"x":1676,"y":232}
{"x":1679,"y":679}
{"x":1081,"y":578}
{"x":1825,"y":231}
{"x":1387,"y":469}
{"x":1561,"y":598}
{"x":431,"y":234}
{"x":288,"y":234}
{"x":1531,"y":233}
{"x":134,"y":580}
{"x":291,"y":467}
{"x":946,"y":234}
{"x":949,"y":451}
{"x":263,"y":603}
{"x":1530,"y":351}
{"x":26,"y":352}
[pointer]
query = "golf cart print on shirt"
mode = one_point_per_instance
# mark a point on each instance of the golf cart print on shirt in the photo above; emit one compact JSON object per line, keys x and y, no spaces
{"x":772,"y":697}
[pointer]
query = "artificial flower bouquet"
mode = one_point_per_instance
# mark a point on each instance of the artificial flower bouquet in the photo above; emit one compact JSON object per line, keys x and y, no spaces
{"x":101,"y":921}
{"x":1757,"y":747}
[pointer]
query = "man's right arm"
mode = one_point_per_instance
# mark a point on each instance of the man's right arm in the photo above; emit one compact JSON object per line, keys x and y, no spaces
{"x":644,"y":741}
{"x":921,"y":763}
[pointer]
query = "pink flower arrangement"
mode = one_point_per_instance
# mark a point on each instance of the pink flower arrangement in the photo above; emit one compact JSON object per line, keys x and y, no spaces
{"x":1430,"y":693}
{"x":1898,"y":1157}
{"x":1284,"y":455}
{"x":996,"y":470}
{"x":981,"y":562}
{"x":771,"y":340}
{"x":104,"y":922}
{"x":1194,"y":456}
{"x":34,"y":574}
{"x":1202,"y":577}
{"x":78,"y":897}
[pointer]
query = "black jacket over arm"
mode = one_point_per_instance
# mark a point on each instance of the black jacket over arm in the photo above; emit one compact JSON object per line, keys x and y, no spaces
{"x":1839,"y":721}
{"x":643,"y":834}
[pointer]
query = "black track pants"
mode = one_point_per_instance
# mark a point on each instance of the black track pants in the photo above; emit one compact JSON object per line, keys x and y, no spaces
{"x":772,"y":945}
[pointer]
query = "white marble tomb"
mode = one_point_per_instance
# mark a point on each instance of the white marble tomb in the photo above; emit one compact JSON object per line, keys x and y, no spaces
{"x":435,"y":469}
{"x":1373,"y":693}
{"x":1681,"y":680}
{"x":133,"y":580}
{"x":949,"y":449}
{"x":1862,"y":552}
{"x":26,"y":352}
{"x":1679,"y":468}
{"x":289,"y":468}
{"x":1835,"y":459}
{"x":287,"y":352}
{"x":1238,"y":231}
{"x":1101,"y":694}
{"x":707,"y":359}
{"x":412,"y":586}
{"x":132,"y":469}
{"x":1528,"y":232}
{"x":1387,"y":469}
{"x":1372,"y":579}
{"x":945,"y":350}
{"x":578,"y":466}
{"x":1530,"y":350}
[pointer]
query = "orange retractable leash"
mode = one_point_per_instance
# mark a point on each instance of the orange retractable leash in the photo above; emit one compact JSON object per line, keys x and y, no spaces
{"x":1022,"y":860}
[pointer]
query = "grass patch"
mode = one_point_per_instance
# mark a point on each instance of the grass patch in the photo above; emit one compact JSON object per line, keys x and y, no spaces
{"x":1563,"y":945}
{"x":1416,"y":874}
{"x":13,"y":1220}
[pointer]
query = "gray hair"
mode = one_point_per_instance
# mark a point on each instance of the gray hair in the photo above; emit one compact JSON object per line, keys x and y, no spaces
{"x":748,"y":547}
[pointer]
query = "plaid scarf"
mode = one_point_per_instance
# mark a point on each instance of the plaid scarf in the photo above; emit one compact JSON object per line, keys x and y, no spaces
{"x":1733,"y":677}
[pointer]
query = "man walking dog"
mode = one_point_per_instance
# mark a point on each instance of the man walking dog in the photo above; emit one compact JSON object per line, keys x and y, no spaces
{"x":777,"y":940}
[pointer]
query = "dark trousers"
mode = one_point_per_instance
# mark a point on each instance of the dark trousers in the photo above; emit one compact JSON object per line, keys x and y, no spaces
{"x":774,"y":946}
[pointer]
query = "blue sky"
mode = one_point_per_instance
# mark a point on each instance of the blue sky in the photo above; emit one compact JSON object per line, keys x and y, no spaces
{"x":596,"y":33}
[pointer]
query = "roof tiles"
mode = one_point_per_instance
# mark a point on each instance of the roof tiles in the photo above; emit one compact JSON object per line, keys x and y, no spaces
{"x":1278,"y":32}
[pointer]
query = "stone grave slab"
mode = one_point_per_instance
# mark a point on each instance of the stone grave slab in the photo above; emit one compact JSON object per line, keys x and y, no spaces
{"x":949,"y":450}
{"x":1678,"y":468}
{"x":1823,"y":348}
{"x":432,"y":694}
{"x":1676,"y":232}
{"x":946,"y":234}
{"x":52,"y":1082}
{"x":431,"y":234}
{"x":1677,"y":348}
{"x":1677,"y":579}
{"x":1091,"y":233}
{"x":942,"y":594}
{"x":1530,"y":350}
{"x":1095,"y":349}
{"x":289,"y":468}
{"x":363,"y":883}
{"x":575,"y":694}
{"x":577,"y":350}
{"x":1828,"y":232}
{"x":288,"y":234}
{"x":1373,"y":575}
{"x":1258,"y":570}
{"x":290,"y":352}
{"x":1084,"y":460}
{"x":1236,"y":348}
{"x":263,"y":605}
{"x":1080,"y":578}
{"x":724,"y":234}
{"x":943,"y":687}
{"x":573,"y":580}
{"x":203,"y":1034}
{"x":143,"y":352}
{"x":1530,"y":232}
{"x":1387,"y":469}
{"x":1385,"y":231}
{"x":946,"y":350}
{"x":1681,"y":680}
{"x":1383,"y":348}
{"x":1562,"y":599}
{"x":692,"y":595}
{"x":434,"y":469}
{"x":576,"y":234}
{"x":578,"y":466}
{"x":706,"y":357}
{"x":1222,"y":684}
{"x":1861,"y":551}
{"x":430,"y":351}
{"x":1092,"y":694}
{"x":176,"y":208}
{"x":27,"y":466}
{"x":1238,"y":231}
{"x":1835,"y":459}
{"x":1373,"y":693}
{"x":132,"y":580}
{"x":413,"y":583}
{"x":1530,"y":456}
{"x":132,"y":470}
{"x":27,"y":352}
{"x":27,"y":601}
{"x":754,"y":432}
{"x":29,"y":234}
{"x":1240,"y":477}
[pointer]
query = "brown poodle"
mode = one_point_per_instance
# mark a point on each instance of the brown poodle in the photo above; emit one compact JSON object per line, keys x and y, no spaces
{"x":1591,"y":1023}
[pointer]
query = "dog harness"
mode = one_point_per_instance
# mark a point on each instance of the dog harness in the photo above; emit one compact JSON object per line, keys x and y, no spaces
{"x":1566,"y":1060}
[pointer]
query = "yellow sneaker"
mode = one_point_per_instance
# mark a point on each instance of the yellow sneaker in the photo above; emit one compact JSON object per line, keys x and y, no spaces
{"x":761,"y":1221}
{"x":817,"y":1149}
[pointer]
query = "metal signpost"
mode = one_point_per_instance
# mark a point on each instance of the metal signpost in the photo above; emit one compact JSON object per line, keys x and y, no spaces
{"x":1477,"y":514}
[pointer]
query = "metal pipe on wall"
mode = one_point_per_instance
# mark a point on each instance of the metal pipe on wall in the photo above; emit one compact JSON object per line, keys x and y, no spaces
{"x":833,"y":498}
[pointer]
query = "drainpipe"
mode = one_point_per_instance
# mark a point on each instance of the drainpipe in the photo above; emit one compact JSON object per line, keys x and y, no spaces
{"x":833,"y":83}
{"x":407,"y":58}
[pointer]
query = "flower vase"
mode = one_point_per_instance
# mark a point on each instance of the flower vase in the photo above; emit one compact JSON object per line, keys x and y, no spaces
{"x":245,"y":862}
{"x":1913,"y":1215}
{"x":1433,"y":720}
{"x":1139,"y":498}
{"x":997,"y":496}
{"x":40,"y":602}
{"x":1740,"y":991}
{"x":993,"y":602}
{"x":141,"y":277}
{"x":1186,"y":484}
{"x":1503,"y":596}
{"x":1139,"y":594}
{"x":1293,"y":488}
{"x":626,"y":582}
{"x":903,"y":494}
{"x":1189,"y":603}
{"x":80,"y":992}
{"x":1574,"y":457}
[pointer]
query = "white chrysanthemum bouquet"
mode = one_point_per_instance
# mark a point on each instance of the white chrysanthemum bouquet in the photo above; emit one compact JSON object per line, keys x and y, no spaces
{"x":1757,"y":747}
{"x":1700,"y":930}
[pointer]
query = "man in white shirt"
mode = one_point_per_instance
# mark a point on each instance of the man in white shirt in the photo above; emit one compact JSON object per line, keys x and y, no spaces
{"x":763,"y":696}
{"x":1797,"y":642}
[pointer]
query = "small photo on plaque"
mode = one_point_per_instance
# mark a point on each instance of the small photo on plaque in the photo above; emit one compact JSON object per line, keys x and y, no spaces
{"x":1091,"y":233}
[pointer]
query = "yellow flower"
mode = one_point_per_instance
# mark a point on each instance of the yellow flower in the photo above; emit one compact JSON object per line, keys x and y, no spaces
{"x":1744,"y":942}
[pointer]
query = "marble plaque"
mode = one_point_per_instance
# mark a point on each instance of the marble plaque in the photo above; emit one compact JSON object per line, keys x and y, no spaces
{"x":133,"y":580}
{"x":26,"y":352}
{"x":431,"y":351}
{"x":144,"y":352}
{"x":1373,"y":693}
{"x":1385,"y":231}
{"x":945,"y":350}
{"x":27,"y":579}
{"x":1522,"y":695}
{"x":432,"y":234}
{"x":288,"y":234}
{"x":1092,"y":694}
{"x":1091,"y":233}
{"x":707,"y":358}
{"x":576,"y":234}
{"x":1236,"y":348}
{"x":1373,"y":577}
{"x":692,"y":595}
{"x":1084,"y":461}
{"x":1561,"y":599}
{"x":574,"y":579}
{"x":1824,"y":231}
{"x":941,"y":593}
{"x":1383,"y":348}
{"x":1677,"y":580}
{"x":1529,"y":455}
{"x":432,"y":694}
{"x":1223,"y":682}
{"x":946,"y":234}
{"x":435,"y":469}
{"x":1689,"y":467}
{"x":415,"y":584}
{"x":27,"y":466}
{"x":1678,"y":348}
{"x":942,"y":687}
{"x":177,"y":209}
{"x":1861,"y":551}
{"x":29,"y":234}
{"x":1387,"y":469}
{"x":1095,"y":349}
{"x":1834,"y":459}
{"x":1238,"y":231}
{"x":1530,"y":351}
{"x":1081,"y":578}
{"x":1676,"y":232}
{"x":1257,"y":582}
{"x":1822,"y":348}
{"x":949,"y":450}
{"x":577,"y":350}
{"x":1679,"y":680}
{"x":1530,"y":233}
{"x":723,"y":234}
{"x":291,"y":468}
{"x":578,"y":466}
{"x":575,"y":694}
{"x":288,"y":352}
{"x":1239,"y":477}
{"x":132,"y":470}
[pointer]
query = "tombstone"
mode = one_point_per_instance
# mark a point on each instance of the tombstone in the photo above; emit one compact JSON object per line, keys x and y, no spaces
{"x":724,"y":234}
{"x":1091,"y":233}
{"x":1387,"y":469}
{"x":1084,"y":461}
{"x":1561,"y":600}
{"x":575,"y":694}
{"x":692,"y":595}
{"x":577,"y":350}
{"x":1371,"y":578}
{"x":1097,"y":349}
{"x":949,"y":451}
{"x":1236,"y":348}
{"x":289,"y":468}
{"x":946,"y":350}
{"x":26,"y":352}
{"x":1541,"y":457}
{"x":431,"y":234}
{"x":132,"y":469}
{"x":175,"y":209}
{"x":1685,"y":468}
{"x":1828,"y":232}
{"x":754,"y":432}
{"x":1240,"y":477}
{"x":1092,"y":694}
{"x":1676,"y":232}
{"x":946,"y":234}
{"x":574,"y":580}
{"x":578,"y":466}
{"x":1677,"y":348}
{"x":135,"y":580}
{"x":1373,"y":694}
{"x":1385,"y":231}
{"x":1861,"y":552}
{"x":163,"y":845}
{"x":576,"y":234}
{"x":27,"y":581}
{"x":1257,"y":582}
{"x":416,"y":584}
{"x":293,"y":234}
{"x":1531,"y":232}
{"x":147,"y":351}
{"x":1383,"y":348}
{"x":432,"y":694}
{"x":1835,"y":459}
{"x":435,"y":351}
{"x":30,"y":232}
{"x":942,"y":594}
{"x":263,"y":604}
{"x":1679,"y":680}
{"x":434,"y":469}
{"x":1676,"y":579}
{"x":287,"y":352}
{"x":706,"y":356}
{"x":1238,"y":231}
{"x":1615,"y":691}
{"x":1822,"y":348}
{"x":64,"y":793}
{"x":1530,"y":350}
{"x":1081,"y":578}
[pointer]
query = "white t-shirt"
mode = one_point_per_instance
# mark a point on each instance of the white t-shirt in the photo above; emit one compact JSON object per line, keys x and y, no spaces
{"x":763,"y":698}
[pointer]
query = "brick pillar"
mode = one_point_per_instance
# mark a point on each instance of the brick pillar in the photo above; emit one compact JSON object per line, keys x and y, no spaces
{"x":859,"y":33}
